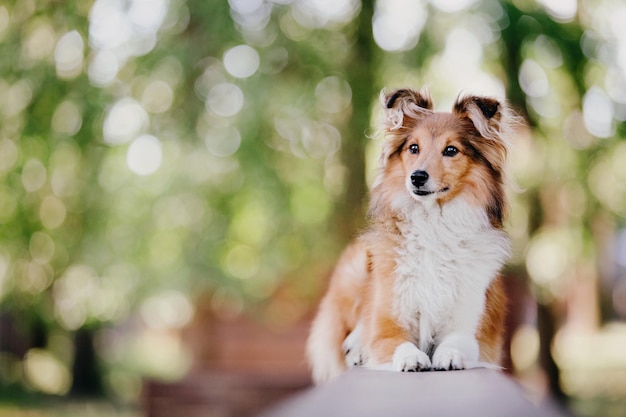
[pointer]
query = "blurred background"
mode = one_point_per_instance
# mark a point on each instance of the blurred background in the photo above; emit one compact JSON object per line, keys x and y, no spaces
{"x":177,"y":179}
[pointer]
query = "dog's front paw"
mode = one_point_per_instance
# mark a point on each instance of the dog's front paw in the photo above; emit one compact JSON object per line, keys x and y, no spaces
{"x":447,"y":358}
{"x":408,"y":358}
{"x":351,"y":348}
{"x":354,"y":357}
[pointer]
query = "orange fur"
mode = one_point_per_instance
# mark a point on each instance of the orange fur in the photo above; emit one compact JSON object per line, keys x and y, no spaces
{"x":363,"y":287}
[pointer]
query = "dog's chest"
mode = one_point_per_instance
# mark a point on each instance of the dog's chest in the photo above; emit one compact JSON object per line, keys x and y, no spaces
{"x":443,"y":255}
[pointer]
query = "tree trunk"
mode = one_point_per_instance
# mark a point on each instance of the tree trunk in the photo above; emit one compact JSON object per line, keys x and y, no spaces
{"x":546,"y":324}
{"x":360,"y":75}
{"x":86,"y":376}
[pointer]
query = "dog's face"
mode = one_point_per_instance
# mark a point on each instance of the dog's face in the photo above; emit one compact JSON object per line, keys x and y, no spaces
{"x":439,"y":156}
{"x":435,"y":158}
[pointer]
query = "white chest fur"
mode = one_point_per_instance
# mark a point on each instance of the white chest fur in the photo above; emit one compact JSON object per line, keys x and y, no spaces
{"x":447,"y":257}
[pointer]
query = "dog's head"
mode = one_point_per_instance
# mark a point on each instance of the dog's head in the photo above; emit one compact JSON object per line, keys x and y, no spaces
{"x":440,"y":156}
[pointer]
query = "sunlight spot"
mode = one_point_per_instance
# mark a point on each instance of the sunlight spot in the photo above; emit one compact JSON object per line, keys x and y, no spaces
{"x":52,"y":212}
{"x":157,"y":97}
{"x":548,"y":51}
{"x":108,"y":26}
{"x":241,"y":61}
{"x":452,"y":6}
{"x":397,"y":24}
{"x":72,"y":294}
{"x":33,"y":175}
{"x":125,"y":121}
{"x":225,"y":99}
{"x":115,"y":22}
{"x":146,"y":16}
{"x":333,"y":94}
{"x":36,"y":277}
{"x":223,"y":142}
{"x":160,"y":354}
{"x":17,"y":98}
{"x":46,"y":373}
{"x":533,"y":79}
{"x":598,"y":111}
{"x":67,"y":119}
{"x":321,"y":140}
{"x":251,"y":14}
{"x":168,"y":310}
{"x":68,"y":55}
{"x":548,"y":256}
{"x":144,"y":155}
{"x":245,"y":6}
{"x":525,"y":347}
{"x":560,"y":10}
{"x":103,"y":68}
{"x":324,"y":13}
{"x":463,"y":50}
{"x":39,"y":41}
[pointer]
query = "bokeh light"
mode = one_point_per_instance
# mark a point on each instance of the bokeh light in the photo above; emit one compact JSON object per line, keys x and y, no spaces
{"x":68,"y":55}
{"x":397,"y":24}
{"x":241,"y":61}
{"x":46,"y":373}
{"x":144,"y":155}
{"x":225,"y":99}
{"x":124,"y":121}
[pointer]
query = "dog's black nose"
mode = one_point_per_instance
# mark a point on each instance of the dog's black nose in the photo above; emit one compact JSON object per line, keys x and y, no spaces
{"x":419,"y":178}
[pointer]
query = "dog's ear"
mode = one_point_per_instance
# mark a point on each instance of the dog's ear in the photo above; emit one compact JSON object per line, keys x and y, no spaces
{"x":492,"y":120}
{"x":405,"y":106}
{"x":484,"y":112}
{"x":408,"y":96}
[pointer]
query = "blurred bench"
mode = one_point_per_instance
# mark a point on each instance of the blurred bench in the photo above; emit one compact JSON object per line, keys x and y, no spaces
{"x":365,"y":393}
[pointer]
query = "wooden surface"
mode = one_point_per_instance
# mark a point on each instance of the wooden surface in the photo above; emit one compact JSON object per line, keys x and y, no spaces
{"x":366,"y":393}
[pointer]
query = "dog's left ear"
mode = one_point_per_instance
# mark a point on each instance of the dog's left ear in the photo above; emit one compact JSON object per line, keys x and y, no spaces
{"x":484,"y":112}
{"x":492,"y":120}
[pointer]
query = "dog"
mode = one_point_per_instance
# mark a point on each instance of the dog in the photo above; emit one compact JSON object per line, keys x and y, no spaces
{"x":420,"y":289}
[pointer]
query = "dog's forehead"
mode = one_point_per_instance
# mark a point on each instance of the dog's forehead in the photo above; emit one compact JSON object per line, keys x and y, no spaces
{"x":438,"y":125}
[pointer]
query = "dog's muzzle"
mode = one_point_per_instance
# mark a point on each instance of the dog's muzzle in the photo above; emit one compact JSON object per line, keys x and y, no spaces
{"x":419,"y":178}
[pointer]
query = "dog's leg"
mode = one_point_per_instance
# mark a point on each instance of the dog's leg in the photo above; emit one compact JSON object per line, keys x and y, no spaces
{"x":352,"y":348}
{"x":490,"y":333}
{"x":391,"y":345}
{"x":408,"y":358}
{"x":456,"y":351}
{"x":457,"y":347}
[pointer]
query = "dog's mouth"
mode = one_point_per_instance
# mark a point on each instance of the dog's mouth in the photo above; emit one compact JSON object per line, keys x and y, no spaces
{"x":426,"y":192}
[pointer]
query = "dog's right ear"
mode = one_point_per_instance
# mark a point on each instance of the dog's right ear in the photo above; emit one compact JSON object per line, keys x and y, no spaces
{"x":405,"y":105}
{"x":403,"y":109}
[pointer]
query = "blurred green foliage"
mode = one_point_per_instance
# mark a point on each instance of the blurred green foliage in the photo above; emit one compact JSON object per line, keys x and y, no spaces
{"x":153,"y":151}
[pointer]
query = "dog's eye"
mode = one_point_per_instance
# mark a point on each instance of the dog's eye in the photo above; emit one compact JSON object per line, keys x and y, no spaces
{"x":414,"y":148}
{"x":450,"y":151}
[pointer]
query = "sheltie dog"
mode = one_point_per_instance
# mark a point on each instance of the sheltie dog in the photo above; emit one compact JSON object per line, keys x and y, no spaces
{"x":420,"y":289}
